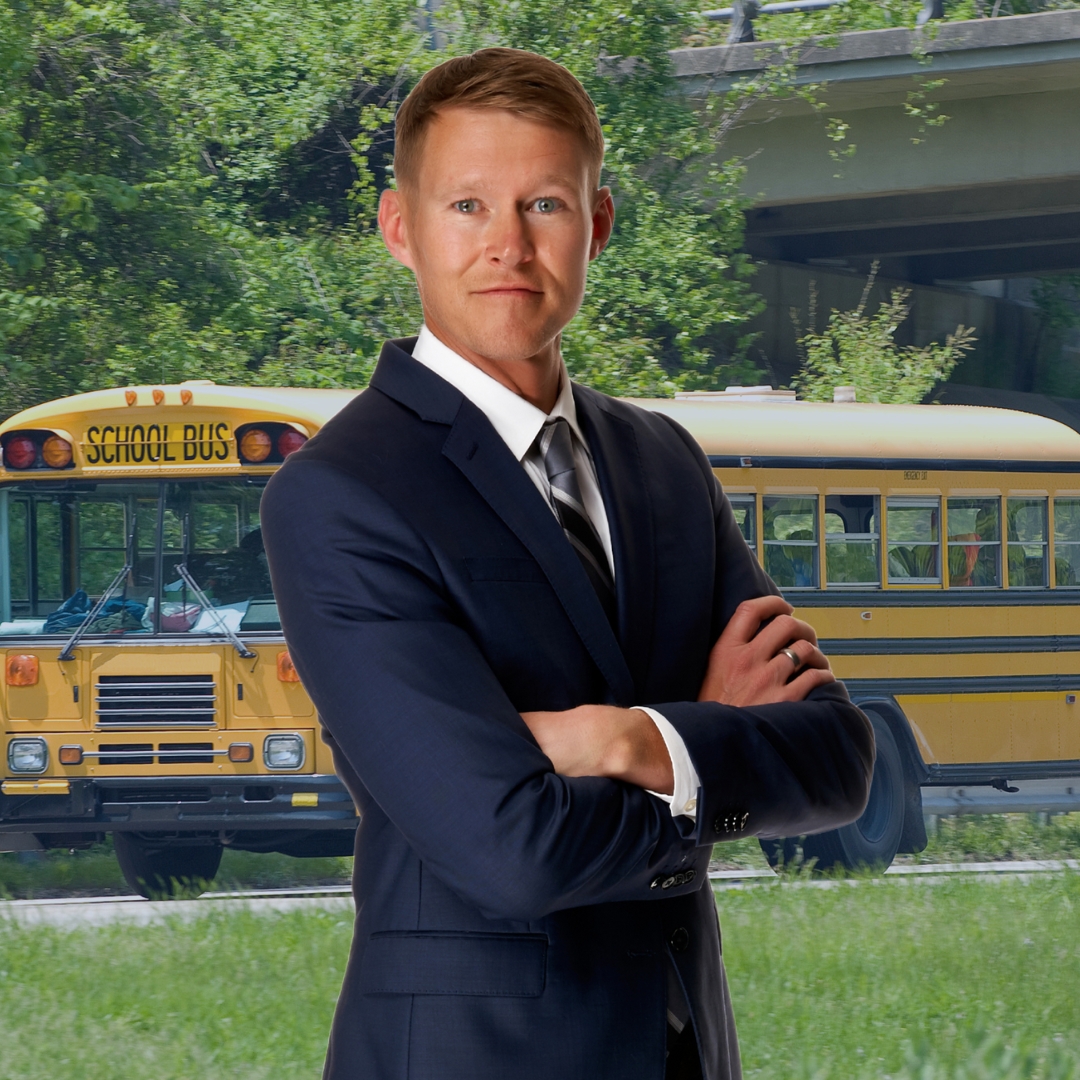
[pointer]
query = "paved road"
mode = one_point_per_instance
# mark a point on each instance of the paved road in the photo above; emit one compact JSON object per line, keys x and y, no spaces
{"x":76,"y":912}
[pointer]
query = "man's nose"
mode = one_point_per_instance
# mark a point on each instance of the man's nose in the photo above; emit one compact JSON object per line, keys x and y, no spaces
{"x":508,"y":241}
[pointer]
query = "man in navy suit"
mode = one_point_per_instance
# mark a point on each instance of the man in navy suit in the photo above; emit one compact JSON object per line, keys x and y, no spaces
{"x":552,"y":673}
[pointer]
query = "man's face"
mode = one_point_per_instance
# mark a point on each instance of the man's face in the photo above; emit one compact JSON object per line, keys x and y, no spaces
{"x":499,"y":228}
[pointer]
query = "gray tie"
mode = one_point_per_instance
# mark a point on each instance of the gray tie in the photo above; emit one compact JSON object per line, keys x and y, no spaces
{"x":556,"y":446}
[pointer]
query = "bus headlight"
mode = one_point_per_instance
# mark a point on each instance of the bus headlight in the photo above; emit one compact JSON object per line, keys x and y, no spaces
{"x":283,"y":751}
{"x":27,"y":755}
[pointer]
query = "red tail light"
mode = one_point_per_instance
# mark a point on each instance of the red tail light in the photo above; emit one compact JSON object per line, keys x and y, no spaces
{"x":289,"y":442}
{"x":20,"y":453}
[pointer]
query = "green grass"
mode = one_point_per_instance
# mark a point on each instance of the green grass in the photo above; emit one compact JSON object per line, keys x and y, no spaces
{"x":966,"y":980}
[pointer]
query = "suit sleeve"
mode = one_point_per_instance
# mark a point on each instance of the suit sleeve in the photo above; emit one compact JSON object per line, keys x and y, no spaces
{"x":786,"y":769}
{"x":422,"y":720}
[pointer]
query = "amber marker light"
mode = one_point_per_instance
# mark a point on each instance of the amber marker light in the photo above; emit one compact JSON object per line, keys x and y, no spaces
{"x":130,"y":397}
{"x":286,"y":670}
{"x":21,"y":670}
{"x":159,"y":397}
{"x":20,"y":453}
{"x":185,"y":397}
{"x":255,"y":446}
{"x":56,"y":452}
{"x":70,"y":755}
{"x":241,"y":752}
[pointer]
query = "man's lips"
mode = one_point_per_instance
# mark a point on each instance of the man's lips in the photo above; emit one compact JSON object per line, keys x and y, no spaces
{"x":510,"y":290}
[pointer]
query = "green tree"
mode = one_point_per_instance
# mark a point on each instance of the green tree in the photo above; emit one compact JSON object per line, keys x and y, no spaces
{"x":166,"y":210}
{"x":858,"y":349}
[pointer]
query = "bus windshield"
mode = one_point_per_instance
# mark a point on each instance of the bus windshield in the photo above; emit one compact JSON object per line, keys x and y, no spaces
{"x":62,"y":544}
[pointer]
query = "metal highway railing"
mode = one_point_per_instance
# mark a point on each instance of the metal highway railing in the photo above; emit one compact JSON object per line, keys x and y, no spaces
{"x":743,"y":13}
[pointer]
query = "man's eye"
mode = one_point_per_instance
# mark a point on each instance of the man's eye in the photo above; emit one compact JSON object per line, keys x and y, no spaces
{"x":466,"y":206}
{"x":546,"y":206}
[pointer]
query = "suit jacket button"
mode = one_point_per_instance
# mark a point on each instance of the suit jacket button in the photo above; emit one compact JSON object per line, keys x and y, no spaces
{"x":690,"y":875}
{"x":662,"y":881}
{"x":680,"y":940}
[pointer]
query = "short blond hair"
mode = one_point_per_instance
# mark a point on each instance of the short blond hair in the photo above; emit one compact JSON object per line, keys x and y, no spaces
{"x":520,"y":82}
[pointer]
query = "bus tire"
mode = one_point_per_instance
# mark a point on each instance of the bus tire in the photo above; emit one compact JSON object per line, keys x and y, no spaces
{"x":162,"y":871}
{"x":872,"y":841}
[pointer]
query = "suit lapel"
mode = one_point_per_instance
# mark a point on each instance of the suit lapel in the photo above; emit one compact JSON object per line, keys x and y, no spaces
{"x":475,"y":448}
{"x":621,"y":475}
{"x":483,"y":458}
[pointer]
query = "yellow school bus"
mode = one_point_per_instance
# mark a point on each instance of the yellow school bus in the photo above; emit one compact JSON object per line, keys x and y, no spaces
{"x":936,"y":550}
{"x":148,"y":690}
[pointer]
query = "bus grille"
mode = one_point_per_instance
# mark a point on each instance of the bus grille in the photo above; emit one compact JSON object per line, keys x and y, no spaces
{"x":139,"y":701}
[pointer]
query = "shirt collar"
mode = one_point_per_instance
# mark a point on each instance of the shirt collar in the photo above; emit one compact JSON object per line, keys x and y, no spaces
{"x":516,"y":420}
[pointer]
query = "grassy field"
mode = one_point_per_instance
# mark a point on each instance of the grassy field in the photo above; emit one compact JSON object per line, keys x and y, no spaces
{"x":956,"y":981}
{"x":95,"y":873}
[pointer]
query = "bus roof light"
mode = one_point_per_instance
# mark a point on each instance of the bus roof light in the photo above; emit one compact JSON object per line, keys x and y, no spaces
{"x":255,"y":446}
{"x":56,"y":452}
{"x":159,"y":397}
{"x":20,"y":453}
{"x":185,"y":397}
{"x":131,"y":397}
{"x":21,"y":670}
{"x":289,"y":441}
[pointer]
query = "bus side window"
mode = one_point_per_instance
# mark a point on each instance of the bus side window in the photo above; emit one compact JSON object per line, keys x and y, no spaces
{"x":913,"y":539}
{"x":791,"y":540}
{"x":851,"y":540}
{"x":745,"y":515}
{"x":1027,"y":536}
{"x":1067,"y":542}
{"x":974,"y":543}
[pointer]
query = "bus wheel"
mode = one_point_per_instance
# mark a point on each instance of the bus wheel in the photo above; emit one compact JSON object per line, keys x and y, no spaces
{"x":159,"y":870}
{"x":869,"y":843}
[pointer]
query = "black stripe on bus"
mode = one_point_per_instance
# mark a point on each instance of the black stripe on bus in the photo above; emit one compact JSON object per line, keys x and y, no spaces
{"x":755,"y":461}
{"x":973,"y":684}
{"x":982,"y":772}
{"x":815,"y":598}
{"x":951,"y":645}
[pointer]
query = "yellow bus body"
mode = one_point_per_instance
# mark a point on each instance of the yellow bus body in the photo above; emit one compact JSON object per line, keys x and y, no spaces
{"x":982,"y":682}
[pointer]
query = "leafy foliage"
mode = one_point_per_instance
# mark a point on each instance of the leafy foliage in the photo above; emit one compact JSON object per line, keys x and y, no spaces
{"x":160,"y":216}
{"x":857,"y":349}
{"x":188,"y":190}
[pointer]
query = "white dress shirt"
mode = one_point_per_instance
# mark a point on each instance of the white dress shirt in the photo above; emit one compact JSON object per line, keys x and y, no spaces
{"x":518,"y":422}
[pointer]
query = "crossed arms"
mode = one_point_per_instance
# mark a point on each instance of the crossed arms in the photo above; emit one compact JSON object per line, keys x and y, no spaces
{"x":747,"y":666}
{"x":431,"y":742}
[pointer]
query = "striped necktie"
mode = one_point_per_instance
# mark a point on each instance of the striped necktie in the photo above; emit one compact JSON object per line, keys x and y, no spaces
{"x":556,"y":446}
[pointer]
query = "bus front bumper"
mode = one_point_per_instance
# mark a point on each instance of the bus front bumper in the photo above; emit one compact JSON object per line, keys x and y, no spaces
{"x":176,"y":804}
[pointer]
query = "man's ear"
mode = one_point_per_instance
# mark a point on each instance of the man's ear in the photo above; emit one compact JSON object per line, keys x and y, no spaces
{"x":603,"y":221}
{"x":393,"y":227}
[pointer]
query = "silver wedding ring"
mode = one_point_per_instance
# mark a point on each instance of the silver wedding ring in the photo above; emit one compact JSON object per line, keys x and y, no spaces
{"x":793,"y":656}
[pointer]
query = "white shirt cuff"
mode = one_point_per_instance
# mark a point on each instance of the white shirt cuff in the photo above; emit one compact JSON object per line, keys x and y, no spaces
{"x":683,"y":800}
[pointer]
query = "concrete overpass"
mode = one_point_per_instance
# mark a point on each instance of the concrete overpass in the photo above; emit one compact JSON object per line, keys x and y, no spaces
{"x":993,"y":193}
{"x":968,"y":216}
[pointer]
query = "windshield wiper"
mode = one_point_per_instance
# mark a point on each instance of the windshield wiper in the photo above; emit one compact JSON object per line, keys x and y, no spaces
{"x":68,"y":651}
{"x":204,"y":601}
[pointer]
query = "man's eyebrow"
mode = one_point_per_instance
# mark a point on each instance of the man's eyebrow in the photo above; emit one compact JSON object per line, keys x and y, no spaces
{"x":551,"y":180}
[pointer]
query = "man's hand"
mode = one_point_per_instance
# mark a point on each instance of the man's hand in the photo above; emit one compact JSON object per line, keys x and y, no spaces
{"x":750,"y":662}
{"x":602,"y":740}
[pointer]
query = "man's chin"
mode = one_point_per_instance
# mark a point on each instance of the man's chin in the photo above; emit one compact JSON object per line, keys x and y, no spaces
{"x":509,"y":347}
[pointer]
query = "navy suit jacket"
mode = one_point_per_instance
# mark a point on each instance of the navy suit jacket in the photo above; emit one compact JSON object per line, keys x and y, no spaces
{"x":512,"y":922}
